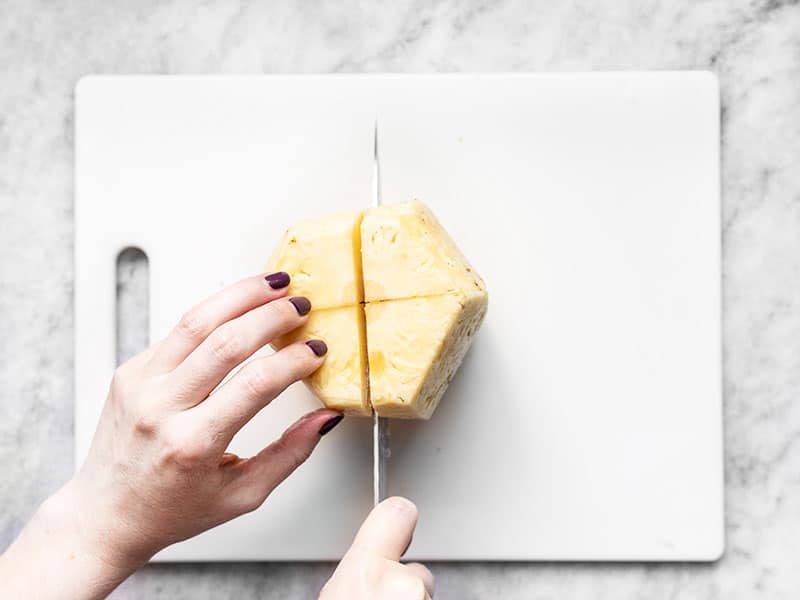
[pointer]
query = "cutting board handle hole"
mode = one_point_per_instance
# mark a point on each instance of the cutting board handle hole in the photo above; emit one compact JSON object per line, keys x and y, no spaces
{"x":132,"y":310}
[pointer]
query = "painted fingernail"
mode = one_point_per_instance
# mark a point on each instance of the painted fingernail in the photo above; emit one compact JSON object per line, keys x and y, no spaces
{"x":302,"y":304}
{"x":318,"y":347}
{"x":278,"y":280}
{"x":330,"y":424}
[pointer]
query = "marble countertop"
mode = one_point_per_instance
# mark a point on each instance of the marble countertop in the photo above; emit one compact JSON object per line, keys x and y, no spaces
{"x":754,"y":47}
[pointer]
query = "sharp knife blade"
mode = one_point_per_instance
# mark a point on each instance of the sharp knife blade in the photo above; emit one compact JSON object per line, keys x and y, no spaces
{"x":380,"y":425}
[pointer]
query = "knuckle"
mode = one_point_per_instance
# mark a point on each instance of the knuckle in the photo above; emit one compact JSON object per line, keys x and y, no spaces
{"x":145,"y":422}
{"x":299,"y":361}
{"x":301,"y":454}
{"x":293,"y":454}
{"x":184,"y":451}
{"x":373,"y":573}
{"x":184,"y":456}
{"x":225,"y":345}
{"x":192,"y":325}
{"x":257,"y":379}
{"x":282,"y":311}
{"x":124,"y":389}
{"x":120,"y":379}
{"x":250,"y":502}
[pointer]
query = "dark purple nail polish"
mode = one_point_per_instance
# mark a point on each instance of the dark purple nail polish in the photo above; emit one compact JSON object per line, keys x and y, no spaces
{"x":278,"y":280}
{"x":302,"y":304}
{"x":318,"y":347}
{"x":330,"y":424}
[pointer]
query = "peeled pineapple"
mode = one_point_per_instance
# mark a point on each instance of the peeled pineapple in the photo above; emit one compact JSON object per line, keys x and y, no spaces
{"x":395,"y":300}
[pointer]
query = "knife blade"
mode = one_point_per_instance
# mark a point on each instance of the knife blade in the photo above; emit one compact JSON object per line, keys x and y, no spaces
{"x":380,"y":425}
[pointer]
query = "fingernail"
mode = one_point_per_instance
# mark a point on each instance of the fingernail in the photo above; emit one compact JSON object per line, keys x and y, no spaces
{"x":278,"y":280}
{"x":318,"y":347}
{"x":330,"y":424}
{"x":302,"y":304}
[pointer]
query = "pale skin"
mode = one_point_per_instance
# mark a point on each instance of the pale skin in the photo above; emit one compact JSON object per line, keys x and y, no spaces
{"x":158,"y":470}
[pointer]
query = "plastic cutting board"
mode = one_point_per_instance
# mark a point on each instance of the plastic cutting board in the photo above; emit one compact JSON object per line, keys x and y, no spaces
{"x":585,"y":423}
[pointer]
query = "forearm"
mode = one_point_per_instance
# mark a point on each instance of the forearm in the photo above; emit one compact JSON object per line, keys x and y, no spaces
{"x":52,"y":558}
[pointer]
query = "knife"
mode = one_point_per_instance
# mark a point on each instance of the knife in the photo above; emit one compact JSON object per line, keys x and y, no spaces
{"x":380,"y":425}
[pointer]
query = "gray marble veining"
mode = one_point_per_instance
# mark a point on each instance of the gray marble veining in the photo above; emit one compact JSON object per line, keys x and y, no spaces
{"x":754,"y":47}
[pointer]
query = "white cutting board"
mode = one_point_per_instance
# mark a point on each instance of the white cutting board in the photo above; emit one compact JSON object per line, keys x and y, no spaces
{"x":586,"y":422}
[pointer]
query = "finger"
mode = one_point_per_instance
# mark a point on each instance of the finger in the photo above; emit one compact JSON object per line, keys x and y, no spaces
{"x":198,"y":323}
{"x":388,"y":529}
{"x":257,"y":383}
{"x":421,"y":571}
{"x":233,"y":342}
{"x":252,"y":480}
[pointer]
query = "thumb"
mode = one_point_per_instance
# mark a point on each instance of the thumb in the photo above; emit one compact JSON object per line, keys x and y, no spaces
{"x":388,"y":529}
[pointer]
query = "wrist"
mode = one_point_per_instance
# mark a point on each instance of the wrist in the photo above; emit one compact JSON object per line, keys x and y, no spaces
{"x":100,"y":532}
{"x":55,"y":556}
{"x":86,"y":535}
